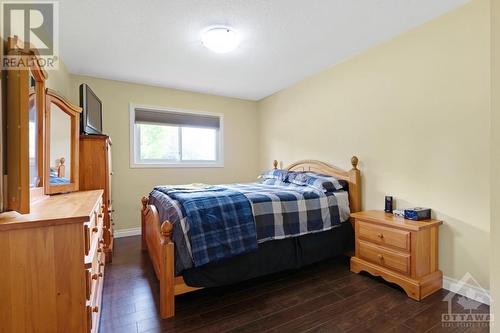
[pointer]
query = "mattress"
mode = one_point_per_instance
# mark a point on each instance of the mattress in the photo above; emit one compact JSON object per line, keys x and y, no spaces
{"x":272,"y":205}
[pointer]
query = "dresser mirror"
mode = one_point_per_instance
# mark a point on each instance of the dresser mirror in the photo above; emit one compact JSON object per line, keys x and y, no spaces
{"x":60,"y":146}
{"x":33,"y":149}
{"x":62,"y":132}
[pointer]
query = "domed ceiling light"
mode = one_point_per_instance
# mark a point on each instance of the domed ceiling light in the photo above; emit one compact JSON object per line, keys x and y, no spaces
{"x":220,"y":39}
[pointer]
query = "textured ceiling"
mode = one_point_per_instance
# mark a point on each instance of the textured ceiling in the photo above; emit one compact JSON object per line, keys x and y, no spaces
{"x":157,"y":42}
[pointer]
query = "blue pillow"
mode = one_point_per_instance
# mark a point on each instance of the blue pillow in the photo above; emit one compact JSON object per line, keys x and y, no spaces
{"x":273,"y":181}
{"x":279,"y":174}
{"x":321,"y":182}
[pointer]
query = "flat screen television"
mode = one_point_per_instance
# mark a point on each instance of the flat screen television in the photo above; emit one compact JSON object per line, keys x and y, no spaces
{"x":91,"y":119}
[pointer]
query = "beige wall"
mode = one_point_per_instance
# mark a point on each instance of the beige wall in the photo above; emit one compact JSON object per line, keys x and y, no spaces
{"x":495,"y":161}
{"x":416,"y":112}
{"x":59,"y":80}
{"x":240,"y":143}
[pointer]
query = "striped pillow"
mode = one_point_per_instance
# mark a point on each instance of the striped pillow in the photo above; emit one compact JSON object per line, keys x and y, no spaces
{"x":278,"y":174}
{"x":321,"y":182}
{"x":273,"y":181}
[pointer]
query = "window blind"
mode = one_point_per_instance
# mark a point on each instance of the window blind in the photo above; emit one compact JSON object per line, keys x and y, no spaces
{"x":176,"y":118}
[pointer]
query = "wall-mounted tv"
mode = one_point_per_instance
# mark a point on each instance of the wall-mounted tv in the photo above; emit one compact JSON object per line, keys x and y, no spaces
{"x":91,"y":119}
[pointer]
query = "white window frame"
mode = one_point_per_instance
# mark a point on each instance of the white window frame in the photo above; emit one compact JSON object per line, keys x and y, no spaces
{"x":134,"y":140}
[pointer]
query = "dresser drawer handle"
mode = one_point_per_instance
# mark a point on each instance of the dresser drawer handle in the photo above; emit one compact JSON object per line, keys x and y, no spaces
{"x":101,"y":264}
{"x":95,"y":309}
{"x":87,"y":240}
{"x":381,"y":257}
{"x":99,"y":250}
{"x":96,"y":276}
{"x":380,"y":236}
{"x":99,"y":215}
{"x":95,"y":229}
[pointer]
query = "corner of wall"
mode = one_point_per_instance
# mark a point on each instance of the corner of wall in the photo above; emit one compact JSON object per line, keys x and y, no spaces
{"x":495,"y":161}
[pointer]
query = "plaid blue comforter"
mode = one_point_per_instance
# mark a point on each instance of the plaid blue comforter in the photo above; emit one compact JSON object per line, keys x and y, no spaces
{"x":279,"y":211}
{"x":289,"y":210}
{"x":220,"y":221}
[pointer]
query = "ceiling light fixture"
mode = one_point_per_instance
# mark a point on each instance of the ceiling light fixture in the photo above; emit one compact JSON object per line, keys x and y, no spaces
{"x":220,"y":39}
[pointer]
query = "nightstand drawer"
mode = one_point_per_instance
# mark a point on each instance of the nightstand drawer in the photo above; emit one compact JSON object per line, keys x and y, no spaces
{"x":384,"y":236}
{"x":399,"y":262}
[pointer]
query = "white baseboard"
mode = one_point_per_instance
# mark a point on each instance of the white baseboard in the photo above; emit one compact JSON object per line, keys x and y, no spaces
{"x":474,"y":292}
{"x":127,"y":232}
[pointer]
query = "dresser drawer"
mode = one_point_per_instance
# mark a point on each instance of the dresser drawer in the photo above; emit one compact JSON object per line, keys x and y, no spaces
{"x":93,"y":228}
{"x":396,"y":261}
{"x":95,"y":274}
{"x":399,"y":239}
{"x":95,"y":304}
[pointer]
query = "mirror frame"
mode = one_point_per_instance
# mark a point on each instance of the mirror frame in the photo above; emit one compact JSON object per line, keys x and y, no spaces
{"x":18,"y":92}
{"x":51,"y":97}
{"x":40,"y":76}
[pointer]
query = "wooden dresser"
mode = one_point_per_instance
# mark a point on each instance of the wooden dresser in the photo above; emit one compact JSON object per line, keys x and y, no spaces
{"x":401,"y":251}
{"x":96,"y":173}
{"x":53,"y":265}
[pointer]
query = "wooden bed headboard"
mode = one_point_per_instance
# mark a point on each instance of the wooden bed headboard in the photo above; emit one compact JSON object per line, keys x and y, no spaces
{"x":352,"y":177}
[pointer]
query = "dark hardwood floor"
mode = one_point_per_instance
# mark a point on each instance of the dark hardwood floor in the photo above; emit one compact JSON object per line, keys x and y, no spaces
{"x":324,"y":297}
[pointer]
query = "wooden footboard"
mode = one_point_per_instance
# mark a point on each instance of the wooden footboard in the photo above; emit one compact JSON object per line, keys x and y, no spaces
{"x":157,"y":240}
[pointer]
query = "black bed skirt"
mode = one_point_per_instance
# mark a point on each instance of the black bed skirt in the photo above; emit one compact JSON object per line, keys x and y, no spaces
{"x":274,"y":256}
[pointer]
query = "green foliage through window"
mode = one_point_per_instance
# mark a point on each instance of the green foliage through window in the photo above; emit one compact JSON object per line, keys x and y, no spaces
{"x":160,"y":142}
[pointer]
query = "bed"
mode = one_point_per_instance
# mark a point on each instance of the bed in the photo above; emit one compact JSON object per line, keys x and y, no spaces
{"x":180,"y":268}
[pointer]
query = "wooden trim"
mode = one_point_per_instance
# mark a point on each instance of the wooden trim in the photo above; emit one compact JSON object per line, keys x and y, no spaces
{"x":18,"y":97}
{"x":157,"y":237}
{"x":353,"y":177}
{"x":14,"y":44}
{"x":62,"y":102}
{"x":18,"y":198}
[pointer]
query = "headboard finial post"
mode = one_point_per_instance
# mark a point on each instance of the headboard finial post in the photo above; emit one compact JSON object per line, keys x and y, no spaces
{"x":275,"y":164}
{"x":166,"y":230}
{"x":61,"y":168}
{"x":145,"y":202}
{"x":354,"y":162}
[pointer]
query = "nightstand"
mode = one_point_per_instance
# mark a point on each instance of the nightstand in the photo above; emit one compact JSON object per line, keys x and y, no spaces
{"x":400,"y":251}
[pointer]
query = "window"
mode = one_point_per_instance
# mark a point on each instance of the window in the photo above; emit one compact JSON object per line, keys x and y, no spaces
{"x":174,"y":138}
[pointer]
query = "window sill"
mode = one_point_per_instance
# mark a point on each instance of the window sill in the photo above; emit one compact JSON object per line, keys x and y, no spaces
{"x":176,"y":165}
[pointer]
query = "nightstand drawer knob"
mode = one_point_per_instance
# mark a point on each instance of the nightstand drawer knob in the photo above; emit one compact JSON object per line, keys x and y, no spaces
{"x":380,"y":236}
